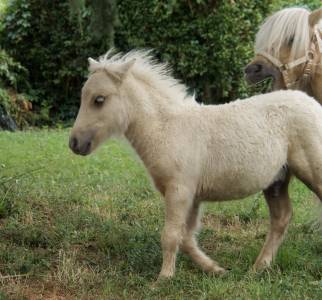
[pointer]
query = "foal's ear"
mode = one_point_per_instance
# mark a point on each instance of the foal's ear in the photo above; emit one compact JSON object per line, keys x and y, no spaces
{"x":124,"y":68}
{"x":120,"y":70}
{"x":93,"y":64}
{"x":315,"y":16}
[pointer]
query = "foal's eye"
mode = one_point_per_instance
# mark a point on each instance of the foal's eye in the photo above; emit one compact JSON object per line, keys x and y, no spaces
{"x":291,"y":40}
{"x":99,"y":100}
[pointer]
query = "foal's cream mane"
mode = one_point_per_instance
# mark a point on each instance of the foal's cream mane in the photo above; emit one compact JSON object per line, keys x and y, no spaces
{"x":281,"y":28}
{"x":156,"y":75}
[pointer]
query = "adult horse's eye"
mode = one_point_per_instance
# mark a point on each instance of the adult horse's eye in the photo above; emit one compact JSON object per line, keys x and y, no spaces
{"x":99,"y":100}
{"x":291,"y":40}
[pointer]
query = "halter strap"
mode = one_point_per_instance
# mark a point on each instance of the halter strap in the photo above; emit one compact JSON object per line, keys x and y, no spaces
{"x":318,"y":38}
{"x":271,"y":58}
{"x":276,"y":62}
{"x":296,"y":62}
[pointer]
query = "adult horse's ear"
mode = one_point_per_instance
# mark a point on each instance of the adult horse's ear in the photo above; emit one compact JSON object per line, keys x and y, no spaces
{"x":93,"y":64}
{"x":315,"y":16}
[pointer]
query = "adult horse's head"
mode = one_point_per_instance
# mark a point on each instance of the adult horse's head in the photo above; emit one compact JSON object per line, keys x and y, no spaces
{"x":103,"y":111}
{"x":286,"y":47}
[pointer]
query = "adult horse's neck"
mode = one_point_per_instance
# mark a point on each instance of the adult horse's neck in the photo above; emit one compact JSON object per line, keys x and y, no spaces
{"x":316,"y":82}
{"x":314,"y":88}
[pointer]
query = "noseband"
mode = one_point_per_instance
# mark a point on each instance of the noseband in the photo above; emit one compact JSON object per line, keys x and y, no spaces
{"x":308,"y":60}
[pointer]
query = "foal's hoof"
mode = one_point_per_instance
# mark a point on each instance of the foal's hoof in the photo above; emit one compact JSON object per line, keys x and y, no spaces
{"x":164,"y":277}
{"x":216,"y":270}
{"x":260,"y":266}
{"x":160,"y":282}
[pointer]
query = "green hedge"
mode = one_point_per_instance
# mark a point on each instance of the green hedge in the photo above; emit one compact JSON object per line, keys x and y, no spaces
{"x":53,"y":41}
{"x":207,"y":42}
{"x":48,"y":40}
{"x":310,"y":4}
{"x":14,"y":105}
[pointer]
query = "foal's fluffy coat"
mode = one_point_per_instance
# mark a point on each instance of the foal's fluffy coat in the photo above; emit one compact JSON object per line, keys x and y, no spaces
{"x":195,"y":152}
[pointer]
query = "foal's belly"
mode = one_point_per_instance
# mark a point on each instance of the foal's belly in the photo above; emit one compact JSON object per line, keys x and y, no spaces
{"x":225,"y":195}
{"x":237,"y":185}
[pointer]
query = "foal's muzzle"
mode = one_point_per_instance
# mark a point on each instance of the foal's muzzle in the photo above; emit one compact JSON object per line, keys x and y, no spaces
{"x":80,"y":146}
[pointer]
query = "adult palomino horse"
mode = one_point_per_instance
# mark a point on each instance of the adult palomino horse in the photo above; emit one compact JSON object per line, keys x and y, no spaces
{"x":198,"y":152}
{"x":288,"y":48}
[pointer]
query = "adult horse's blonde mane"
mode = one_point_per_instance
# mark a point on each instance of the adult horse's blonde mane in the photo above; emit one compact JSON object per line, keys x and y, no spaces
{"x":283,"y":27}
{"x":147,"y":69}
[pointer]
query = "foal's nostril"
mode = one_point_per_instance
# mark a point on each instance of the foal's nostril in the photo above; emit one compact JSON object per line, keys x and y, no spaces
{"x":88,"y":146}
{"x":84,"y":149}
{"x":73,"y":143}
{"x":81,"y":145}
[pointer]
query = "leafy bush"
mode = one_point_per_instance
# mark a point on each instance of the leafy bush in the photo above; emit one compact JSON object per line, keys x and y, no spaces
{"x":48,"y":42}
{"x":207,"y":42}
{"x":12,"y":73}
{"x":13,"y":103}
{"x":311,"y":4}
{"x":53,"y":42}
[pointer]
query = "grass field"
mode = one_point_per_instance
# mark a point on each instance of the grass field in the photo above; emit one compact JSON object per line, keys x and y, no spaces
{"x":89,"y":228}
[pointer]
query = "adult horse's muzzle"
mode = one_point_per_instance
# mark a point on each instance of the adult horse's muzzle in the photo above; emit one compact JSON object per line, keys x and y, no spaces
{"x":256,"y":72}
{"x":253,"y":72}
{"x":81,"y":144}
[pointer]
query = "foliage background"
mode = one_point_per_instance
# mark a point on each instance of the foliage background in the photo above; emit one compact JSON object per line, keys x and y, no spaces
{"x":207,"y":42}
{"x":75,"y":228}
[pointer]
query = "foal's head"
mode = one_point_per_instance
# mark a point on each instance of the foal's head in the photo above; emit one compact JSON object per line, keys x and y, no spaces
{"x":103,"y":110}
{"x":283,"y":38}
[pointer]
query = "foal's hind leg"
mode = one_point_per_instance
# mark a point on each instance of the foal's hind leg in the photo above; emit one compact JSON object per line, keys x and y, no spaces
{"x":280,"y":210}
{"x":306,"y":161}
{"x":190,"y":245}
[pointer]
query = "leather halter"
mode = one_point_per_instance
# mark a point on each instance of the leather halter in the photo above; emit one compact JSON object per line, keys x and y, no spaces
{"x":308,"y":59}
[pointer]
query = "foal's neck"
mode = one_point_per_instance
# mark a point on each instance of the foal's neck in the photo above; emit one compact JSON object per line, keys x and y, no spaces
{"x":148,"y":114}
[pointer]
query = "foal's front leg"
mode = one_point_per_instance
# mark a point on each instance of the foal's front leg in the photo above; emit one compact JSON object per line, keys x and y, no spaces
{"x":178,"y":200}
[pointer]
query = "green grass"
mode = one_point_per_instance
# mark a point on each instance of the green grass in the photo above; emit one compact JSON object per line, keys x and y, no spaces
{"x":89,"y":228}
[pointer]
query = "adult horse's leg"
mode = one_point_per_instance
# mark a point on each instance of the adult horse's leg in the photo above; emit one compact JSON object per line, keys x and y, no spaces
{"x":178,"y":200}
{"x":280,"y":210}
{"x":190,"y":245}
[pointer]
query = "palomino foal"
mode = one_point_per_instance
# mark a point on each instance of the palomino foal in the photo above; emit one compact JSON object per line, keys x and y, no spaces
{"x":202,"y":152}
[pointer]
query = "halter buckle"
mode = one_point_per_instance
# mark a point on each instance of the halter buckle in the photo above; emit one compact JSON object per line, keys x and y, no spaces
{"x":310,"y":55}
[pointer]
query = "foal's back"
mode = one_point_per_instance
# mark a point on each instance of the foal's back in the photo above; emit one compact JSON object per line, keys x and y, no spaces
{"x":240,"y":148}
